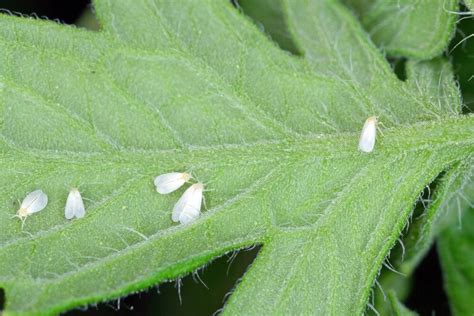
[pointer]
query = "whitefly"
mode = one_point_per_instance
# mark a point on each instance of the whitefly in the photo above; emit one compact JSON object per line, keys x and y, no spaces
{"x":169,"y":182}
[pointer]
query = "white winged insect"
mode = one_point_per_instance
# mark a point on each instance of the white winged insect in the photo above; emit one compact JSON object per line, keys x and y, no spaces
{"x":367,"y":137}
{"x":188,"y":207}
{"x":169,"y":182}
{"x":74,"y":205}
{"x":32,"y":203}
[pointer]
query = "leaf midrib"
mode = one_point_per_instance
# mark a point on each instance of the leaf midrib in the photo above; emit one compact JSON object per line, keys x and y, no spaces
{"x":395,"y":140}
{"x":170,"y":230}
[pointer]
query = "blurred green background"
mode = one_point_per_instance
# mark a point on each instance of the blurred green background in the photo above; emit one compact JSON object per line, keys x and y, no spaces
{"x":205,"y":292}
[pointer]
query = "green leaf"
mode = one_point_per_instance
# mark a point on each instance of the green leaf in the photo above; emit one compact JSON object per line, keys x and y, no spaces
{"x":438,"y":216}
{"x":423,"y":230}
{"x":435,"y":80}
{"x":469,"y":4}
{"x":88,"y":20}
{"x":456,"y":245}
{"x":420,"y":29}
{"x":188,"y":85}
{"x":270,"y":16}
{"x":397,"y":308}
{"x":462,"y":52}
{"x":425,"y":227}
{"x":452,"y":192}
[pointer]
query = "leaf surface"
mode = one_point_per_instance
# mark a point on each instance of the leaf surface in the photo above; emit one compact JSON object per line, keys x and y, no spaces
{"x":183,"y":85}
{"x":462,"y":52}
{"x":397,"y":307}
{"x":435,"y":80}
{"x":420,"y":29}
{"x":469,"y":4}
{"x":456,"y":244}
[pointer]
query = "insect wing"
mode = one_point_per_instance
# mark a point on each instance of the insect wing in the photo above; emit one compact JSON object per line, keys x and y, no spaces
{"x":192,"y":209}
{"x":70,"y":204}
{"x":74,"y":205}
{"x":367,"y":136}
{"x":181,"y":204}
{"x":189,"y":216}
{"x":80,"y":210}
{"x":169,"y":182}
{"x":35,"y":201}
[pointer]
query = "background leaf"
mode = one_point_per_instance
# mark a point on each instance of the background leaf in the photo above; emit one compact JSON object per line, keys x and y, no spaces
{"x":469,"y":4}
{"x":397,"y":308}
{"x":462,"y":52}
{"x":273,"y":135}
{"x":456,"y":244}
{"x":420,"y":29}
{"x":271,"y":18}
{"x":433,"y":216}
{"x":435,"y":80}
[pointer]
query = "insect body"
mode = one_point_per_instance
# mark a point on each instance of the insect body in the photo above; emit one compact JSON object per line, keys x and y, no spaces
{"x":169,"y":182}
{"x":188,"y":207}
{"x":367,"y":137}
{"x":74,"y":205}
{"x":32,"y":203}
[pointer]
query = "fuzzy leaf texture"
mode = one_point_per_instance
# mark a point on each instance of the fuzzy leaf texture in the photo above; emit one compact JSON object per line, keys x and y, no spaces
{"x":412,"y":28}
{"x":431,"y":78}
{"x":452,"y":194}
{"x":194,"y":85}
{"x":455,"y":243}
{"x":455,"y":247}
